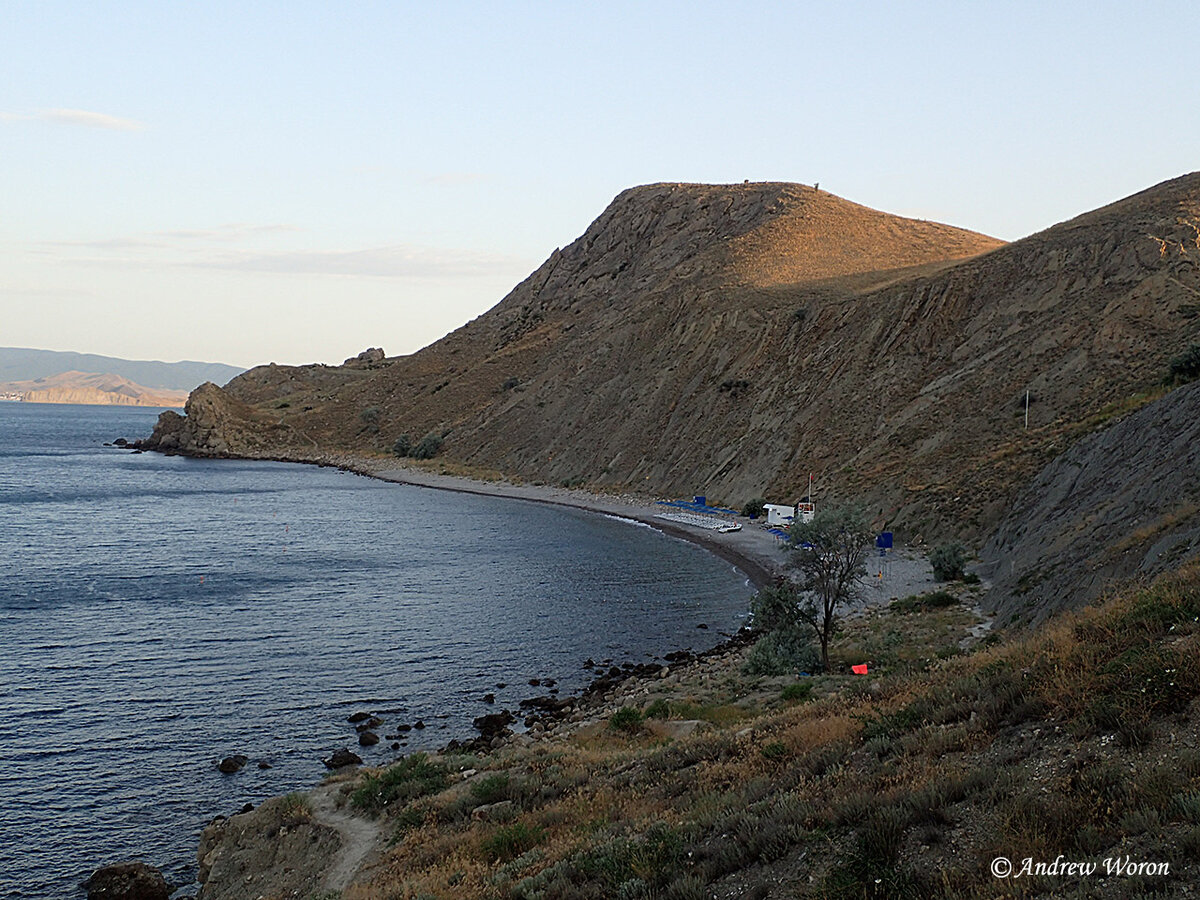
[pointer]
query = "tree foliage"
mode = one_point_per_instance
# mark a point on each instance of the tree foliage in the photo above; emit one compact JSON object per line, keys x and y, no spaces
{"x":1186,"y":366}
{"x":948,"y":561}
{"x":831,"y":554}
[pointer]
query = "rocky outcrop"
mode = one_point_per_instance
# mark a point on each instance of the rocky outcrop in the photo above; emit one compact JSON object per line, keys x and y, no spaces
{"x":128,"y":881}
{"x":216,"y":424}
{"x":278,"y":848}
{"x":1122,"y":503}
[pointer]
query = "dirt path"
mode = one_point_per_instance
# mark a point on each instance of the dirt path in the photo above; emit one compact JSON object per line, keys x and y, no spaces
{"x":360,"y":837}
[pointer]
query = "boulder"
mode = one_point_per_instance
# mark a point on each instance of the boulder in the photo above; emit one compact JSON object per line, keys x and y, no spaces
{"x":231,"y":764}
{"x":494,"y":724}
{"x":368,"y":738}
{"x":342,"y":758}
{"x":368,"y":356}
{"x":127,"y":881}
{"x":357,"y":717}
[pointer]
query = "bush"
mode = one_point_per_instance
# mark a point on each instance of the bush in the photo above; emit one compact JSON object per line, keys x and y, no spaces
{"x":1186,"y":366}
{"x":659,"y":709}
{"x":412,"y":777}
{"x":370,"y":419}
{"x":491,"y":789}
{"x":754,"y":508}
{"x":775,"y":608}
{"x":427,"y":447}
{"x":403,"y":445}
{"x":948,"y":561}
{"x":782,"y":652}
{"x":626,"y":719}
{"x":794,"y":692}
{"x":510,"y":841}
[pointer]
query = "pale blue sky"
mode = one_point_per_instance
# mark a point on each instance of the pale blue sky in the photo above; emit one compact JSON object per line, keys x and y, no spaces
{"x":296,"y":181}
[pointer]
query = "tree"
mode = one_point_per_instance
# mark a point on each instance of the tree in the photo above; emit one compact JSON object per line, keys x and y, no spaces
{"x":831,"y":553}
{"x":947,"y":562}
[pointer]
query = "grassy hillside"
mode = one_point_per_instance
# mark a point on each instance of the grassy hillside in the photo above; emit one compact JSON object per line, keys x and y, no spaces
{"x":1081,"y":741}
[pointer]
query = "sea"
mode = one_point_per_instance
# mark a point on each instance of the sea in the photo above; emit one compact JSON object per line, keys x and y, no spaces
{"x":160,"y":613}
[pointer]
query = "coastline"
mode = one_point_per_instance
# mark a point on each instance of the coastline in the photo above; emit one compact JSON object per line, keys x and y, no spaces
{"x":752,"y":550}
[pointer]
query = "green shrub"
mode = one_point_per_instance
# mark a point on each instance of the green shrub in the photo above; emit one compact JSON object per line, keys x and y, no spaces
{"x":775,"y":608}
{"x":659,"y":709}
{"x":510,"y":841}
{"x":755,"y":507}
{"x":427,"y":447}
{"x":921,"y":602}
{"x":403,"y":445}
{"x":491,"y":789}
{"x":370,"y":419}
{"x":412,"y":777}
{"x":626,"y":719}
{"x":948,"y":561}
{"x":1186,"y":366}
{"x":775,"y":751}
{"x":802,"y":690}
{"x":782,"y":652}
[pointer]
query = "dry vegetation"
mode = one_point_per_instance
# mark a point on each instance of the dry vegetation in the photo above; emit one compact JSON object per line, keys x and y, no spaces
{"x":1080,"y":740}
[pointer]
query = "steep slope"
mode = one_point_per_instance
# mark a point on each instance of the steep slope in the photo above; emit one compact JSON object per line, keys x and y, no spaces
{"x":731,"y":339}
{"x":92,"y":389}
{"x":1122,"y":503}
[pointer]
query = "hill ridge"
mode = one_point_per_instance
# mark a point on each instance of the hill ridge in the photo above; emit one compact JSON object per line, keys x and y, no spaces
{"x":709,"y":340}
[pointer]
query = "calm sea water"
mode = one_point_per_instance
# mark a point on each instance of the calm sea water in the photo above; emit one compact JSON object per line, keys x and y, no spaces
{"x":159,"y":613}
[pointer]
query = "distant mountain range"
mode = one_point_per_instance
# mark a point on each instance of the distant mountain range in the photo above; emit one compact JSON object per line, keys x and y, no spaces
{"x":19,"y":364}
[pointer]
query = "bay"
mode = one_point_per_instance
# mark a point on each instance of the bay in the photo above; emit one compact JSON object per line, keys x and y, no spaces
{"x":158,"y":613}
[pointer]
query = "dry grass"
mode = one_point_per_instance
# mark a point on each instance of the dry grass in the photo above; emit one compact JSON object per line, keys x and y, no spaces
{"x":1071,"y":741}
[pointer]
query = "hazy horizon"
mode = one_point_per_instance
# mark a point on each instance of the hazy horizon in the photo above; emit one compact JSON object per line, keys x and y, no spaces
{"x":287,"y":183}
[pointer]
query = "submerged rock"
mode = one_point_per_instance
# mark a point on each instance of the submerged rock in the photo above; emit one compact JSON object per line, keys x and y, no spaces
{"x":127,"y":881}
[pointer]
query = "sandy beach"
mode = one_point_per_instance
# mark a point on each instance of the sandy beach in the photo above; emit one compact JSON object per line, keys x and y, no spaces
{"x":762,"y":556}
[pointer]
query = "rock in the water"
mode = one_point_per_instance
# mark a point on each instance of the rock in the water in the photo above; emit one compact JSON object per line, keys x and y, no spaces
{"x":494,"y":724}
{"x":128,"y":881}
{"x":368,"y":738}
{"x":368,"y":724}
{"x":231,"y":764}
{"x":341,"y":758}
{"x":489,"y":698}
{"x":418,"y":724}
{"x":357,"y":717}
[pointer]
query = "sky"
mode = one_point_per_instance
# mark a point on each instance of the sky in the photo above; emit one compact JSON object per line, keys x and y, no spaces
{"x":293,"y":182}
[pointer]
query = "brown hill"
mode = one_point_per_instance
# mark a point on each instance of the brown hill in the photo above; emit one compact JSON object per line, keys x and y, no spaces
{"x":731,"y":339}
{"x":92,"y":389}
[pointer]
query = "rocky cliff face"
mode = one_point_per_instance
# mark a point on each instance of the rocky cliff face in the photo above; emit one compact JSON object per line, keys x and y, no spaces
{"x":1122,"y":503}
{"x":731,"y":339}
{"x":216,"y":424}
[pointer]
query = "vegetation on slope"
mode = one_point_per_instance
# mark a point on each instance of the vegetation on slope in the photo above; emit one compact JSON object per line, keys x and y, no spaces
{"x":1080,"y":740}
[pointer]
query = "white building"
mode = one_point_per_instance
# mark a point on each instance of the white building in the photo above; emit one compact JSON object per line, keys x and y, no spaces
{"x":777,"y":514}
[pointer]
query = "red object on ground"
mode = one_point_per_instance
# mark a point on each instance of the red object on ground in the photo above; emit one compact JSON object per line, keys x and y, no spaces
{"x":859,"y":670}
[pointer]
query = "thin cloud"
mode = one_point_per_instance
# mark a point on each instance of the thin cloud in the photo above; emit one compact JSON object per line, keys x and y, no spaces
{"x":400,"y":261}
{"x":81,"y":117}
{"x":199,"y":249}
